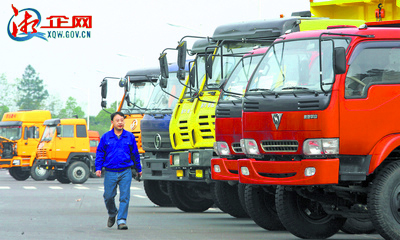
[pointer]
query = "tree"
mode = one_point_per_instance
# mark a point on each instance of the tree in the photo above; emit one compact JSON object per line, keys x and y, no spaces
{"x":71,"y":109}
{"x":7,"y":96}
{"x":102,"y":121}
{"x":54,"y":105}
{"x":31,"y":91}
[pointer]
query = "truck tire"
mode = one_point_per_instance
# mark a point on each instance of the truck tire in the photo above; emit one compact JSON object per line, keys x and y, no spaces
{"x":78,"y":172}
{"x":384,"y":201}
{"x":18,"y":174}
{"x":157,"y":192}
{"x":228,"y":197}
{"x":39,"y":173}
{"x":214,"y":198}
{"x":358,"y":226}
{"x":303,"y":217}
{"x":62,"y":177}
{"x":241,"y":193}
{"x":186,"y":199}
{"x":260,"y":206}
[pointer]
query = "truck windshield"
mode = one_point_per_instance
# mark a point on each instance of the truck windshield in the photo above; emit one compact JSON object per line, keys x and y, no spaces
{"x":161,"y":100}
{"x":294,"y":66}
{"x":200,"y":67}
{"x":232,"y":53}
{"x":239,"y":78}
{"x":48,"y":133}
{"x":11,"y":132}
{"x":139,"y":96}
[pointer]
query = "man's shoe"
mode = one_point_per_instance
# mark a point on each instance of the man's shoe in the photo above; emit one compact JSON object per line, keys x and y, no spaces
{"x":111,"y":221}
{"x":122,"y":226}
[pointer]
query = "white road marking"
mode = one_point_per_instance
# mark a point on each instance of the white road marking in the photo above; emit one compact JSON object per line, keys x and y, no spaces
{"x":55,"y":187}
{"x":139,"y":196}
{"x":29,"y":187}
{"x":81,"y":187}
{"x":2,"y":188}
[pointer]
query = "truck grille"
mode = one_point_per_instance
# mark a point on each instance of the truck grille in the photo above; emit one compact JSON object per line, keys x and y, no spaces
{"x":280,"y":146}
{"x":236,"y":148}
{"x":206,"y":125}
{"x":183,"y":130}
{"x":41,"y":153}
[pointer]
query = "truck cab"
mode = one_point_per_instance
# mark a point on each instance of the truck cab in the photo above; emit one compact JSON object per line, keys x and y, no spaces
{"x":64,"y":148}
{"x":21,"y":132}
{"x":316,"y":130}
{"x":155,"y":135}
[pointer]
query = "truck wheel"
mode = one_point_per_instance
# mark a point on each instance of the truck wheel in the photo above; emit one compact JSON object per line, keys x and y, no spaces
{"x":214,"y":198}
{"x":228,"y":197}
{"x":358,"y":226}
{"x":157,"y":192}
{"x":260,"y":206}
{"x":241,"y":193}
{"x":18,"y":174}
{"x":303,"y":217}
{"x":384,"y":201}
{"x":78,"y":172}
{"x":62,"y":177}
{"x":186,"y":199}
{"x":39,"y":173}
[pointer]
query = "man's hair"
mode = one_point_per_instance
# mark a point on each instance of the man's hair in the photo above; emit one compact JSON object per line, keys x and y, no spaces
{"x":116,"y":113}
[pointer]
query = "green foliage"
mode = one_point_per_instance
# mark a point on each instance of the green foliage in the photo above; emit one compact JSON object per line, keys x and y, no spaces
{"x":31,"y":91}
{"x":7,"y":95}
{"x":102,"y":121}
{"x":71,"y":109}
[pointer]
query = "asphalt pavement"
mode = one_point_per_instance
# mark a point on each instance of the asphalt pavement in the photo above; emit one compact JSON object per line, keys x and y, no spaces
{"x":50,"y":210}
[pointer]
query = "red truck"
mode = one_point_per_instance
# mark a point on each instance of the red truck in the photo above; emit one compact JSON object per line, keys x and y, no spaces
{"x":321,"y":132}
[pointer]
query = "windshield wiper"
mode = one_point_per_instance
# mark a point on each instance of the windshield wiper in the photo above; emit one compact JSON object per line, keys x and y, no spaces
{"x":260,"y":89}
{"x":301,"y":88}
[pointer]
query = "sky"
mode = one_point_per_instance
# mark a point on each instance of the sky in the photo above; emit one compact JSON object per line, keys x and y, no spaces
{"x":124,"y":35}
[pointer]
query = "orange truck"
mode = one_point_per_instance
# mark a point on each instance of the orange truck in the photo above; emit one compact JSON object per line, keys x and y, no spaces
{"x":20,"y":134}
{"x":64,"y":148}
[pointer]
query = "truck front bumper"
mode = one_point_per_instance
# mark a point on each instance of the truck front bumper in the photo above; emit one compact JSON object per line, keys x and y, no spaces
{"x":304,"y":172}
{"x":224,"y":169}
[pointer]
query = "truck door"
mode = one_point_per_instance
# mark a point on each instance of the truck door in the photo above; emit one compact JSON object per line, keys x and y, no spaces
{"x":371,"y":97}
{"x":31,"y":140}
{"x":65,"y":143}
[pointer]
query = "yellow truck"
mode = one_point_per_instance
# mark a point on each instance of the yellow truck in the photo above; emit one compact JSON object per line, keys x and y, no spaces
{"x":20,"y":134}
{"x":64,"y":148}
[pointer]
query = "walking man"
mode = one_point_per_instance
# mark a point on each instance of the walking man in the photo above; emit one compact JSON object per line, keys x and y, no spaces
{"x":117,"y":152}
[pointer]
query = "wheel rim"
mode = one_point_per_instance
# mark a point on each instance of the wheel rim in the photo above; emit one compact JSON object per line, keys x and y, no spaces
{"x":78,"y":173}
{"x":312,"y":211}
{"x":39,"y":171}
{"x":395,"y":203}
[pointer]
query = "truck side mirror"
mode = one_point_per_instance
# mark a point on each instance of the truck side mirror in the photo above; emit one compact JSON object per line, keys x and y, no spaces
{"x":103,"y":103}
{"x":209,"y":66}
{"x":181,"y":60}
{"x":163,"y":65}
{"x":103,"y":86}
{"x":163,"y":82}
{"x":182,"y":55}
{"x":339,"y":60}
{"x":58,"y":130}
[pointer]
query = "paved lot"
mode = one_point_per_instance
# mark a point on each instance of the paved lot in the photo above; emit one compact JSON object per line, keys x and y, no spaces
{"x":51,"y":210}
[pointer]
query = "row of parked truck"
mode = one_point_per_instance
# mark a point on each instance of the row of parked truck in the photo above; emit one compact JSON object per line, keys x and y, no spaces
{"x":33,"y":144}
{"x":289,"y":121}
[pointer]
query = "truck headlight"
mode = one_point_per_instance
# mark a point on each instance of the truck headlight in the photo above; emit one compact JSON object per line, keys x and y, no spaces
{"x":176,"y":159}
{"x":321,"y":146}
{"x":249,"y":146}
{"x":196,"y":158}
{"x":221,"y":149}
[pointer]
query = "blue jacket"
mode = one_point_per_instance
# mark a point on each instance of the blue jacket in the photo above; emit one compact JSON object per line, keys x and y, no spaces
{"x":115,"y":154}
